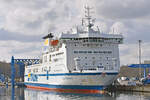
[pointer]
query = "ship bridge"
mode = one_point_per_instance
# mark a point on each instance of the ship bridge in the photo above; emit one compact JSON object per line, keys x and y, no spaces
{"x":86,"y":32}
{"x":99,"y":38}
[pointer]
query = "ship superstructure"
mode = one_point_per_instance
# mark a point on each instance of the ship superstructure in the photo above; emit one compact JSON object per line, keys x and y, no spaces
{"x":82,"y":59}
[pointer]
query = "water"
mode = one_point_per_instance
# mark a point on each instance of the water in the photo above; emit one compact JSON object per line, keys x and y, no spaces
{"x":29,"y":94}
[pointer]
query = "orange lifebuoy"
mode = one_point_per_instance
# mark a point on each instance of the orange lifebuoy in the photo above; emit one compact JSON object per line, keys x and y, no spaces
{"x":54,"y":42}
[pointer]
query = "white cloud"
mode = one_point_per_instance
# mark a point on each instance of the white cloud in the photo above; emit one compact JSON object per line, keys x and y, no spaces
{"x":117,"y":28}
{"x":128,"y":53}
{"x":19,"y":50}
{"x":127,"y":9}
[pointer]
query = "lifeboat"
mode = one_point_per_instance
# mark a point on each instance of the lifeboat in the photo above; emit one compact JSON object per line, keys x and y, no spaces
{"x":54,"y":42}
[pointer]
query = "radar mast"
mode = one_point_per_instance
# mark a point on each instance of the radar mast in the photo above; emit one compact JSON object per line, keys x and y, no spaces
{"x":88,"y":18}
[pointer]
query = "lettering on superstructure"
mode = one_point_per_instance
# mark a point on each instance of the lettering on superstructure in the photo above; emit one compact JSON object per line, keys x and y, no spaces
{"x":93,"y":52}
{"x":57,"y":54}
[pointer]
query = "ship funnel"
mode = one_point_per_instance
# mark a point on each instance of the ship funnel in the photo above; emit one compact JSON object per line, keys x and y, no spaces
{"x":47,"y":39}
{"x":50,"y":35}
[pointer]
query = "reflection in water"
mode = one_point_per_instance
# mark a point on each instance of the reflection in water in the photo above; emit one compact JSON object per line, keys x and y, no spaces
{"x":46,"y":95}
{"x":132,"y":95}
{"x":29,"y":94}
{"x":7,"y":94}
{"x":12,"y":93}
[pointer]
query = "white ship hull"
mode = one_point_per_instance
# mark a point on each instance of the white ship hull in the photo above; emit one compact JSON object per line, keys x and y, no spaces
{"x":90,"y":82}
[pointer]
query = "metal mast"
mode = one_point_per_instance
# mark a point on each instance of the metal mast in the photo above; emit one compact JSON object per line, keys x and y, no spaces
{"x":88,"y":17}
{"x":140,"y":57}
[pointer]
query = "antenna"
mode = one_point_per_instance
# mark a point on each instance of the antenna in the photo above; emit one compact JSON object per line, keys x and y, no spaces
{"x":87,"y":12}
{"x":88,"y":17}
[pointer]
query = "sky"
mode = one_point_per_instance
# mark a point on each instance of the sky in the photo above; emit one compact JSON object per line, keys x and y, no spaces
{"x":23,"y":23}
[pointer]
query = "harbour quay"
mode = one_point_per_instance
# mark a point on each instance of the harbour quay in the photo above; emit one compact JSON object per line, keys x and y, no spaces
{"x":130,"y":79}
{"x":136,"y":88}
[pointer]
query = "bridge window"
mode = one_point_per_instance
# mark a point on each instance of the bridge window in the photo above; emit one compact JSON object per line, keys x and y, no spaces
{"x":82,"y":51}
{"x":75,"y":51}
{"x":89,"y":51}
{"x":96,"y":51}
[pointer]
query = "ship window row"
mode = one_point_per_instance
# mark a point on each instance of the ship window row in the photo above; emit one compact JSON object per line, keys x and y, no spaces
{"x":89,"y":45}
{"x":96,"y":67}
{"x":95,"y":59}
{"x":92,"y":38}
{"x":60,"y":53}
{"x":96,"y":39}
{"x":94,"y":63}
{"x":95,"y":52}
{"x":45,"y":59}
{"x":34,"y":70}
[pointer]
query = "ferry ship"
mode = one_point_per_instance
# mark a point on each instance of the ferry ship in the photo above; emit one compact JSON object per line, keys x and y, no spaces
{"x":83,"y":59}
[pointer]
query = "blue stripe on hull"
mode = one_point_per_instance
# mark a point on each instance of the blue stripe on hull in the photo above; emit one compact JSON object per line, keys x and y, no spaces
{"x":89,"y":87}
{"x":74,"y":74}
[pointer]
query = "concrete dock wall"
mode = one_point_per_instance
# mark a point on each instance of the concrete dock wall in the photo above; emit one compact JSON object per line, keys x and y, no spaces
{"x":138,"y":88}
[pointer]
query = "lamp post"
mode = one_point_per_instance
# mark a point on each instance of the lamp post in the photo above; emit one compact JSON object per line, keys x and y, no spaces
{"x":140,"y":57}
